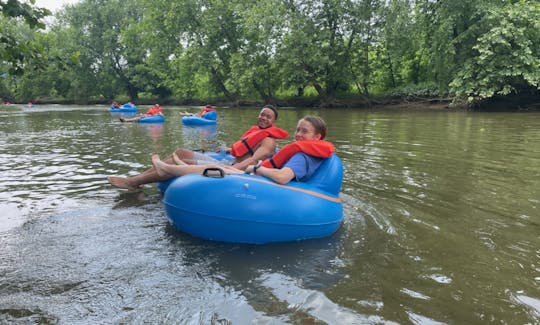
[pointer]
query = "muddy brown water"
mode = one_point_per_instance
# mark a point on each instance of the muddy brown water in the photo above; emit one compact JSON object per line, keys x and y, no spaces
{"x":441,"y":225}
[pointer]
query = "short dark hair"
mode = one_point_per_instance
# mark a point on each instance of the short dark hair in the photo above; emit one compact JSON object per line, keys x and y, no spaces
{"x":273,"y":108}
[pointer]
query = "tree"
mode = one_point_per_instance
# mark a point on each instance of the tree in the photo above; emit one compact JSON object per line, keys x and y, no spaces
{"x":14,"y":50}
{"x":111,"y":55}
{"x":255,"y":70}
{"x":321,"y":40}
{"x":505,"y":57}
{"x":367,"y":31}
{"x":216,"y":37}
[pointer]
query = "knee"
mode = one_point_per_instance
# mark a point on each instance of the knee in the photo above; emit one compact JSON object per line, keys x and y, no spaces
{"x":184,"y":153}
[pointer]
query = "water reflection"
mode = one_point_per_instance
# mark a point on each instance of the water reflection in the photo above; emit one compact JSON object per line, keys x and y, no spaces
{"x":206,"y":132}
{"x":279,"y":278}
{"x":201,"y":137}
{"x":153,"y":130}
{"x":441,"y":225}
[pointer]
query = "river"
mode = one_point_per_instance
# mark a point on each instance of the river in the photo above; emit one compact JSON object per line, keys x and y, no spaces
{"x":441,"y":224}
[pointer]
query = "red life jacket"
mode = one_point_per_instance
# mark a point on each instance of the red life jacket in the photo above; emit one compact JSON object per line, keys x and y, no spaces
{"x":154,"y":110}
{"x":315,"y":148}
{"x":253,"y":136}
{"x":205,"y":110}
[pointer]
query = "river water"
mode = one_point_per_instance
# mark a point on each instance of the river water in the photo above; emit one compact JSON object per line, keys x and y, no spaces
{"x":441,"y":225}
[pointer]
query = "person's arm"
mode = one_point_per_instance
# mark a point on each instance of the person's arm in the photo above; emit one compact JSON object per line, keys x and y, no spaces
{"x":295,"y":168}
{"x":265,"y":150}
{"x":280,"y":176}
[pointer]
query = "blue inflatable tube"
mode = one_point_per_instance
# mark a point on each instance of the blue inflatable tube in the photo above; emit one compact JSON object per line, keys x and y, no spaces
{"x":252,"y":209}
{"x":126,"y":108}
{"x":221,"y":155}
{"x":208,"y":118}
{"x":152,"y":119}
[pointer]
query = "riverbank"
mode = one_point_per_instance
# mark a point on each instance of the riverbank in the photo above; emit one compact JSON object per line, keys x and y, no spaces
{"x":507,"y":103}
{"x":353,"y":103}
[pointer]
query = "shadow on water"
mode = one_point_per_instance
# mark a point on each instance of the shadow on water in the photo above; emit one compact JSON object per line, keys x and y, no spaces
{"x":276,"y":279}
{"x":119,"y":263}
{"x":135,"y":199}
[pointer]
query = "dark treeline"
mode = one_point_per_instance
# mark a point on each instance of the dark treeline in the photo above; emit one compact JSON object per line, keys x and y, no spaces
{"x":312,"y":52}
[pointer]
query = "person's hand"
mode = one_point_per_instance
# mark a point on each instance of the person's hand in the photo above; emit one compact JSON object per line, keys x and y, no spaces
{"x":252,"y":169}
{"x":249,"y":169}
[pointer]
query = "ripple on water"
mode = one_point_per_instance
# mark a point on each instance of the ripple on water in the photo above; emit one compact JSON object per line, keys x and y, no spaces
{"x":532,"y":304}
{"x":433,"y":208}
{"x":11,"y":217}
{"x":24,"y":315}
{"x":314,"y":303}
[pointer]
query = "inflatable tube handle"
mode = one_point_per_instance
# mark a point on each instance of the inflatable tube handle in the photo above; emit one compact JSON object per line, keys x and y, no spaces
{"x":221,"y":172}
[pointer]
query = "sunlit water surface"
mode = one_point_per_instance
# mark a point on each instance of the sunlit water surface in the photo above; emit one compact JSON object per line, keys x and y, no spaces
{"x":442,"y":225}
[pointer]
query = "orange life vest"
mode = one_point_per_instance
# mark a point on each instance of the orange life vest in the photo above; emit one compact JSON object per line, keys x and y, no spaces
{"x":154,"y":110}
{"x":205,"y":110}
{"x":253,"y":136}
{"x":315,"y":148}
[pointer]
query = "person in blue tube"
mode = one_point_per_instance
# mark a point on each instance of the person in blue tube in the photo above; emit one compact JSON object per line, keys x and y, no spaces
{"x":152,"y":111}
{"x":257,"y":143}
{"x":204,"y":110}
{"x":296,"y":161}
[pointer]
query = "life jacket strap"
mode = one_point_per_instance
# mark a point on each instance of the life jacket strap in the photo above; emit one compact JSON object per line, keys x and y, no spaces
{"x":250,"y":150}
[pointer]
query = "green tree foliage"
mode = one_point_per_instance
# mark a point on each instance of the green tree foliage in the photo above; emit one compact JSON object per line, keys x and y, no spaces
{"x":106,"y":34}
{"x":16,"y":22}
{"x":318,"y":43}
{"x":195,"y":50}
{"x":506,"y":54}
{"x":365,"y":66}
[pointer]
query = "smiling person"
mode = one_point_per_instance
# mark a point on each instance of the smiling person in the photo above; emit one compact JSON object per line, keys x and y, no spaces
{"x":298,"y":160}
{"x":257,"y":143}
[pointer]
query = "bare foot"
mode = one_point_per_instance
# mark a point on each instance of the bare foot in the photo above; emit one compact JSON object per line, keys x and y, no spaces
{"x":122,"y":182}
{"x":177,"y":160}
{"x":160,"y":166}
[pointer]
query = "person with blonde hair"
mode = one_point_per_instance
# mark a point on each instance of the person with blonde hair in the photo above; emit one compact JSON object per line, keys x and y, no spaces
{"x":257,"y":143}
{"x":296,"y":161}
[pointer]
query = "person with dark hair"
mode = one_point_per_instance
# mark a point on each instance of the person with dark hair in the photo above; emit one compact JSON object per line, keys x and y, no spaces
{"x":257,"y":143}
{"x":298,"y":160}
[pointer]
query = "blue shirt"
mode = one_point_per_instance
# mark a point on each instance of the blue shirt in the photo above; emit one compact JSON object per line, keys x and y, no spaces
{"x":303,"y":166}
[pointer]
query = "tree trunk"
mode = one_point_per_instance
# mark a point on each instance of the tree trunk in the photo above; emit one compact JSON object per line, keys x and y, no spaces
{"x":218,"y":81}
{"x":268,"y":98}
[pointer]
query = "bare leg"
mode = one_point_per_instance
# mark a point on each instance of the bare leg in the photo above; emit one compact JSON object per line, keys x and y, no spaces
{"x":186,"y":155}
{"x":169,"y":170}
{"x":162,"y":167}
{"x":151,"y":175}
{"x":132,"y":119}
{"x":122,"y":182}
{"x":177,"y":160}
{"x":135,"y":182}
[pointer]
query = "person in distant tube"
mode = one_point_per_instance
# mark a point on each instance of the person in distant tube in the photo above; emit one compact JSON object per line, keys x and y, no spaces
{"x":152,"y":111}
